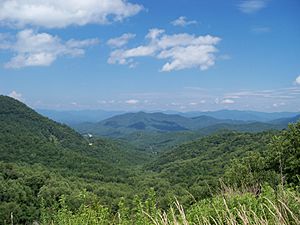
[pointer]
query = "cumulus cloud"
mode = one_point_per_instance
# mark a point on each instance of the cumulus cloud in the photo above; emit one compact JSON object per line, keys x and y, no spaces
{"x":154,"y":33}
{"x":120,"y":41}
{"x":297,"y":81}
{"x":132,"y":101}
{"x":182,"y":22}
{"x":121,"y":56}
{"x":252,"y":6}
{"x":42,"y":49}
{"x":15,"y":95}
{"x":181,"y":51}
{"x":59,"y":14}
{"x":194,"y":56}
{"x":227,"y":101}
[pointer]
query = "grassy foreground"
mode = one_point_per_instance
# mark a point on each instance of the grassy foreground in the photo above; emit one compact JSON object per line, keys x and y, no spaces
{"x":280,"y":206}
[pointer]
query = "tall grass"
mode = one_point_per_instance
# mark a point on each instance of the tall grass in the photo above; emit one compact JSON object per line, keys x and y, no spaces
{"x":280,"y":207}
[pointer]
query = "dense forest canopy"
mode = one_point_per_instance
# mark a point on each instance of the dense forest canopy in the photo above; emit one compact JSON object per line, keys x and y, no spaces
{"x":49,"y":172}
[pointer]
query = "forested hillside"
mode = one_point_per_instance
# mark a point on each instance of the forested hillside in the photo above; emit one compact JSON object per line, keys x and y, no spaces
{"x":39,"y":156}
{"x":51,"y":174}
{"x":199,"y":164}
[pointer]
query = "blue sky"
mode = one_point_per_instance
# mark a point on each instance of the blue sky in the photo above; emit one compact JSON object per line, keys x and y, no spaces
{"x":184,"y":55}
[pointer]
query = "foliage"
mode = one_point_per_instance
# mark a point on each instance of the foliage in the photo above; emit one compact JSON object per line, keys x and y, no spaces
{"x":197,"y":166}
{"x":284,"y":154}
{"x":281,"y":207}
{"x":49,"y":173}
{"x":271,"y":207}
{"x":279,"y":163}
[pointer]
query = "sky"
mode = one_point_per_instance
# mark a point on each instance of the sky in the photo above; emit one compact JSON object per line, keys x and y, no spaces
{"x":183,"y":55}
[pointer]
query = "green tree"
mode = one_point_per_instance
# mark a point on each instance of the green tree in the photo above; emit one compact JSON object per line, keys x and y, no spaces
{"x":284,"y":155}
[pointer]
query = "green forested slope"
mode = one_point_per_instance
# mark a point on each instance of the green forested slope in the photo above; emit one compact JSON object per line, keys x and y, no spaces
{"x":28,"y":137}
{"x":36,"y":149}
{"x":198,"y":165}
{"x":48,"y":169}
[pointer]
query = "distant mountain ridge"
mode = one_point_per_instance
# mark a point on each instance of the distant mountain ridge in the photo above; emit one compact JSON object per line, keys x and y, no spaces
{"x":156,"y":131}
{"x":160,"y":122}
{"x":283,"y":121}
{"x":243,"y":115}
{"x":93,"y":116}
{"x":149,"y":122}
{"x":160,"y":130}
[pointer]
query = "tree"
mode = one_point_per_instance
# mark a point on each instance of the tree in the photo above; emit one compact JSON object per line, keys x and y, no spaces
{"x":284,"y":155}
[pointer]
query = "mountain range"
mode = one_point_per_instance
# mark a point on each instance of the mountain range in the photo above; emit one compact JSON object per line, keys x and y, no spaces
{"x":159,"y":130}
{"x":42,"y":160}
{"x":93,"y":116}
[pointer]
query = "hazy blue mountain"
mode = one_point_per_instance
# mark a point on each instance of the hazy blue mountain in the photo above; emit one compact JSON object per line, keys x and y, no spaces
{"x":148,"y":122}
{"x":80,"y":116}
{"x":284,"y":121}
{"x":243,"y":115}
{"x":94,"y":116}
{"x":251,"y":127}
{"x":156,"y":131}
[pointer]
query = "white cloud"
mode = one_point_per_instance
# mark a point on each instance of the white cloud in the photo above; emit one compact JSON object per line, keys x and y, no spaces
{"x":182,"y":21}
{"x":297,"y":81}
{"x":121,"y":56}
{"x":227,"y":101}
{"x":182,"y":51}
{"x":252,"y":6}
{"x":16,"y":95}
{"x":194,"y":56}
{"x":193,"y":103}
{"x":42,"y":49}
{"x":120,"y":41}
{"x":184,"y":39}
{"x":154,"y":33}
{"x":59,"y":14}
{"x":132,"y":101}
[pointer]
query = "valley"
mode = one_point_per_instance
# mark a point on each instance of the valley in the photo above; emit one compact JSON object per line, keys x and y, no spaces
{"x":122,"y":157}
{"x":135,"y":112}
{"x":157,"y":131}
